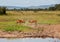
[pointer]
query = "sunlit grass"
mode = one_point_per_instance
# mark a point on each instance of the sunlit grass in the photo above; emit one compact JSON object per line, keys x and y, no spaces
{"x":8,"y":22}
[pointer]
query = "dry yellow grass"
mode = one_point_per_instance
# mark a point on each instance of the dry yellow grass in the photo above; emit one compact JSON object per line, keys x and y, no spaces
{"x":43,"y":17}
{"x":50,"y":17}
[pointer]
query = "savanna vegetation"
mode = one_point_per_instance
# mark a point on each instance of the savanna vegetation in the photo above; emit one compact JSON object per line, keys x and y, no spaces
{"x":8,"y":22}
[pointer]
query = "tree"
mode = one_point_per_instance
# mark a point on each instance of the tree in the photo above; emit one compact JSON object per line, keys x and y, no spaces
{"x":51,"y":8}
{"x":2,"y":10}
{"x":57,"y":6}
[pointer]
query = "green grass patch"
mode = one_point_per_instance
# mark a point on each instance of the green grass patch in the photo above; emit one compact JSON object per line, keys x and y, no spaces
{"x":15,"y":27}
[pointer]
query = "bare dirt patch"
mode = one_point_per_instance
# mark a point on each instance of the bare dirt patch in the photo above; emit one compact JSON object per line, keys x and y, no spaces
{"x":49,"y":30}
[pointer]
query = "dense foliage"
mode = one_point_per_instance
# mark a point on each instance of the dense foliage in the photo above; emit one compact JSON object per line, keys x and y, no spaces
{"x":2,"y":10}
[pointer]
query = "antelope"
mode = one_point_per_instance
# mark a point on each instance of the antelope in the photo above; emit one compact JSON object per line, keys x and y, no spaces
{"x":34,"y":22}
{"x":20,"y":21}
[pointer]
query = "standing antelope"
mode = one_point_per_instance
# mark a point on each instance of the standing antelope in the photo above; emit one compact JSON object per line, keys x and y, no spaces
{"x":20,"y":21}
{"x":33,"y":22}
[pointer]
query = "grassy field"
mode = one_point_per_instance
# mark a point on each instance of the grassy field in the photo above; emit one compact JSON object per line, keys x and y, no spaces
{"x":8,"y":22}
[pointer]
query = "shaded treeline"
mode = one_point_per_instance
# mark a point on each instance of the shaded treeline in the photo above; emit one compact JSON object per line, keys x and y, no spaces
{"x":4,"y":9}
{"x":56,"y":7}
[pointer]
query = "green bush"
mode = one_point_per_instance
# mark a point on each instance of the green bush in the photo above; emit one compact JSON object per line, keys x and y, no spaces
{"x":2,"y":10}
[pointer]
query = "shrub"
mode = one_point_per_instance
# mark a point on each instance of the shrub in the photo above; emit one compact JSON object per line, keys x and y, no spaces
{"x":2,"y":10}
